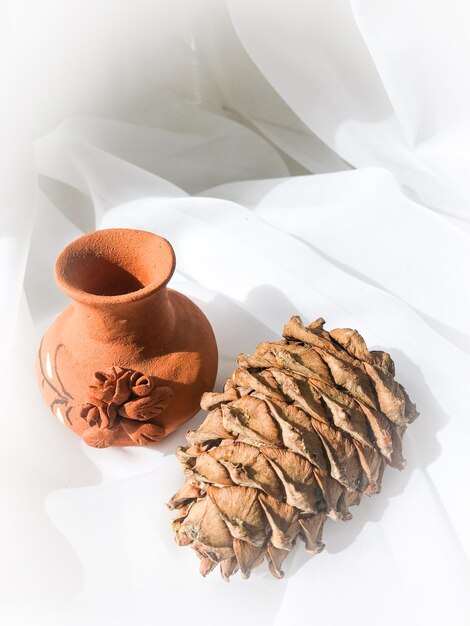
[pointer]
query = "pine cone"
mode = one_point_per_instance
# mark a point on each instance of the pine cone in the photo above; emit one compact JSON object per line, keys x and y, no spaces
{"x":303,"y":428}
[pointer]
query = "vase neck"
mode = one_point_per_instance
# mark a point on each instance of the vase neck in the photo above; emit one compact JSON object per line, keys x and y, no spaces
{"x":139,"y":323}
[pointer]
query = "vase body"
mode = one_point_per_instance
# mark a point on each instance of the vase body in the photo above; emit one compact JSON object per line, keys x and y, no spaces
{"x":127,"y":362}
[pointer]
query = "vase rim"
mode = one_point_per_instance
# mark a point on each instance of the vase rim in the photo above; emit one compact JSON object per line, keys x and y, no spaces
{"x":115,"y":266}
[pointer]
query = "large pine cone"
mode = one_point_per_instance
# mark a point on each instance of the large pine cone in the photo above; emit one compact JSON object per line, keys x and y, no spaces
{"x":303,"y":428}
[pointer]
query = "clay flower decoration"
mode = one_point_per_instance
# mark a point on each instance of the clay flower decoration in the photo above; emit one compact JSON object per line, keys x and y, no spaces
{"x":122,"y":397}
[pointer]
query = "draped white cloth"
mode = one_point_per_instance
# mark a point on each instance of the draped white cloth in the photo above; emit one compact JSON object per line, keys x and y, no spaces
{"x":303,"y":157}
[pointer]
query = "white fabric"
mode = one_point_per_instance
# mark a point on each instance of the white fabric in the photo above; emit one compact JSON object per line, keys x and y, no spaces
{"x":303,"y":157}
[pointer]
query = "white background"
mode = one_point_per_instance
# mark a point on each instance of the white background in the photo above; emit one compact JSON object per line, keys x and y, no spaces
{"x":304,"y":157}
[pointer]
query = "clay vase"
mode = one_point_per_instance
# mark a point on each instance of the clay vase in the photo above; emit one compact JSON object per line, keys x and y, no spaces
{"x":127,"y":362}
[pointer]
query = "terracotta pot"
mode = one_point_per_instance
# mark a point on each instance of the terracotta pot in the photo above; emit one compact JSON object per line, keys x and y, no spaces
{"x":127,"y":362}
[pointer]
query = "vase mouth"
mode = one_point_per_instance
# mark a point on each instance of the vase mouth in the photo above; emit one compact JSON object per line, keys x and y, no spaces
{"x":115,"y":266}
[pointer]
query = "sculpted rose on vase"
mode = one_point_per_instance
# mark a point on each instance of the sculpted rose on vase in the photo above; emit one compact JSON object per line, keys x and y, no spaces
{"x":122,"y":397}
{"x":127,"y":362}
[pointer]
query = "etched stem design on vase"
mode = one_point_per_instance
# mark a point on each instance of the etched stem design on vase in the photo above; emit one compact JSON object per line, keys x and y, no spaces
{"x":49,"y":373}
